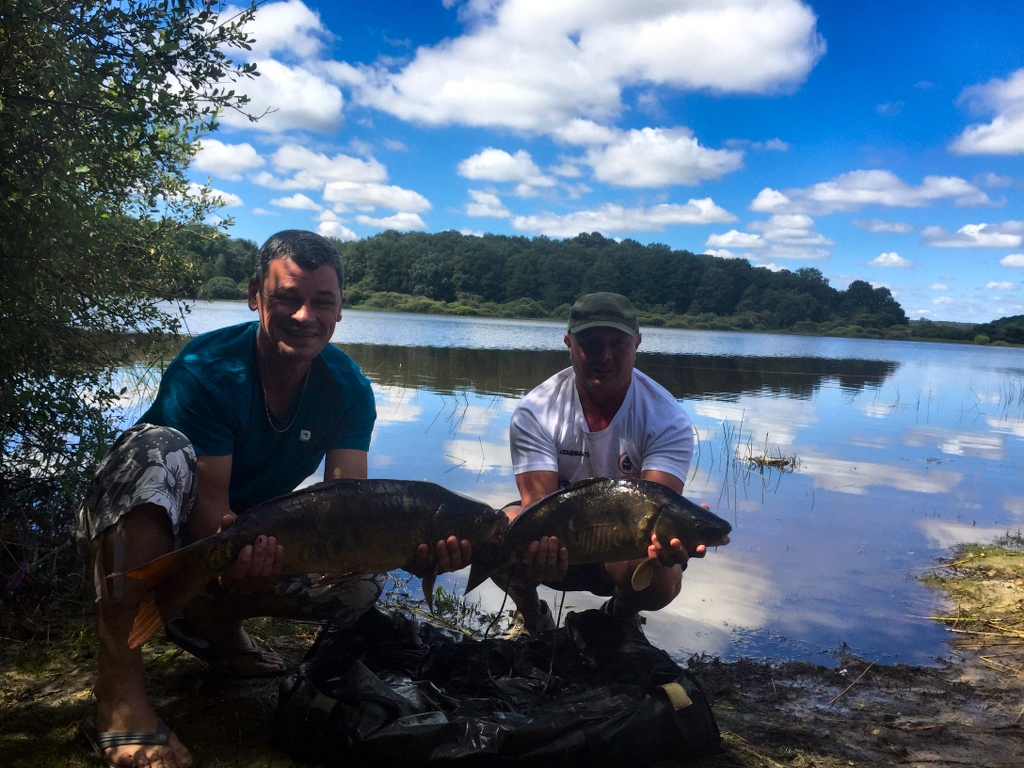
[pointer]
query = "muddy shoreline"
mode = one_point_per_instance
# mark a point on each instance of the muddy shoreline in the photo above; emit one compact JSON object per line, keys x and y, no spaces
{"x":968,"y":711}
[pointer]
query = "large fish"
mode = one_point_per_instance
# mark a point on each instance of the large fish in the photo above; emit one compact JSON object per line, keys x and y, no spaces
{"x":341,"y":527}
{"x":603,"y":521}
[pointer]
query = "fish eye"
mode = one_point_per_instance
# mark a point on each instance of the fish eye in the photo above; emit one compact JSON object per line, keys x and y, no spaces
{"x":477,"y":520}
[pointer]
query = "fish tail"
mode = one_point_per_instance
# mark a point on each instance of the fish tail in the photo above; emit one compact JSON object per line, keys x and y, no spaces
{"x":173,"y":580}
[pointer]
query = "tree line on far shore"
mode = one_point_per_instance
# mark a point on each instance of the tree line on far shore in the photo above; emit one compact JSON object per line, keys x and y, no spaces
{"x":511,"y":276}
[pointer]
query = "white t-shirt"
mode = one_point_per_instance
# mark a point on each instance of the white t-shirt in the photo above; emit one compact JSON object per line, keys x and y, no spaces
{"x":650,"y":431}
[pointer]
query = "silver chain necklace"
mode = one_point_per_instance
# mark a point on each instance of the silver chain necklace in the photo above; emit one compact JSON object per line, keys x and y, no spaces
{"x":266,"y":404}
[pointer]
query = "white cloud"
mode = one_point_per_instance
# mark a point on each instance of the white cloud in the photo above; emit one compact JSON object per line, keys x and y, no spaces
{"x":890,"y":260}
{"x":285,"y":27}
{"x":1012,"y":260}
{"x":649,"y":157}
{"x":735,"y":239}
{"x":370,"y":196}
{"x":939,"y":287}
{"x":878,"y":225}
{"x":1002,"y":285}
{"x":1005,"y":134}
{"x":994,"y":180}
{"x":288,"y":98}
{"x":395,"y":145}
{"x":783,"y":236}
{"x":498,"y":165}
{"x":486,"y":204}
{"x":534,"y":65}
{"x":264,"y":212}
{"x":943,"y":300}
{"x":1009,"y":234}
{"x":337,"y":230}
{"x":774,"y":145}
{"x":852,"y":191}
{"x":298,"y":201}
{"x":614,"y":218}
{"x":400,"y":221}
{"x":296,"y":95}
{"x":312,"y":170}
{"x":566,"y":169}
{"x":229,"y":161}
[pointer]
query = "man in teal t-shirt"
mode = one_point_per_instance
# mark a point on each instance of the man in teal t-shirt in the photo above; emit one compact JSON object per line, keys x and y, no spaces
{"x":212,"y":393}
{"x":243,"y":414}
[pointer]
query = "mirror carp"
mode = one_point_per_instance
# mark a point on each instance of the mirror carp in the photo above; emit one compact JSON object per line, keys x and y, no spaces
{"x":603,"y":521}
{"x":338,"y":528}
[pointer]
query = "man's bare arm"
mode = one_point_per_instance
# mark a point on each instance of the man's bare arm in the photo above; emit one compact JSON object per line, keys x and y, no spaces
{"x":545,"y":560}
{"x":345,"y":462}
{"x":533,"y":486}
{"x":258,"y":564}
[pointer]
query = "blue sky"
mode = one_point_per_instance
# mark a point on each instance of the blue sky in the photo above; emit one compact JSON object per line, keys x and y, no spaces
{"x":881,"y":141}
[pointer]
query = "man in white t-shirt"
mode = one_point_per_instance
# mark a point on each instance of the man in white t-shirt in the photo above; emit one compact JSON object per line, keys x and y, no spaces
{"x":598,"y":418}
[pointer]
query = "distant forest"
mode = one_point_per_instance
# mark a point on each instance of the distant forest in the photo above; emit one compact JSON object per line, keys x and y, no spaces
{"x":503,"y":276}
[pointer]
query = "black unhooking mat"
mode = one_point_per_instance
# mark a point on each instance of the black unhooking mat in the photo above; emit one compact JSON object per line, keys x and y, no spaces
{"x":395,"y":690}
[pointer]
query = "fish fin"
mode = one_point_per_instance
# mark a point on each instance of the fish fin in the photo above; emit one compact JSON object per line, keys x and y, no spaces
{"x":642,"y":576}
{"x":157,"y":571}
{"x":427,"y":582}
{"x":174,"y":580}
{"x":478,"y":574}
{"x":326,"y":579}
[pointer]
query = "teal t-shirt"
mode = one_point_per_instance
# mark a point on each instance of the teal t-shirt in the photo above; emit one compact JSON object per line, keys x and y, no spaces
{"x":212,"y":393}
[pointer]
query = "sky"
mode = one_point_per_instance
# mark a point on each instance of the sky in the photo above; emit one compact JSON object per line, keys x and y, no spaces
{"x":879,"y":141}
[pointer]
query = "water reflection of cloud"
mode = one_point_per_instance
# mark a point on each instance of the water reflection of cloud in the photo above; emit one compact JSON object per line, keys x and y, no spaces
{"x":955,"y":443}
{"x":475,"y":419}
{"x":946,"y":534}
{"x":1007,"y":426}
{"x":1014,"y":505}
{"x":874,"y":443}
{"x":396,"y":405}
{"x":778,"y":421}
{"x":721,"y":594}
{"x":479,"y":456}
{"x":876,"y":410}
{"x":856,"y":476}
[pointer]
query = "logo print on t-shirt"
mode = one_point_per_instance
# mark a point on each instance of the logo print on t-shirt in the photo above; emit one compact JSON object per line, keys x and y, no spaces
{"x":625,"y":465}
{"x":304,"y":435}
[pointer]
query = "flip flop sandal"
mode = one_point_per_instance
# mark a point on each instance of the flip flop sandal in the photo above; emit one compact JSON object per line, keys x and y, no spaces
{"x":179,"y":633}
{"x":101,"y":742}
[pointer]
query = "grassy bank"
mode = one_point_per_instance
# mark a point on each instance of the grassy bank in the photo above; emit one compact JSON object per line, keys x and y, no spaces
{"x":752,"y":322}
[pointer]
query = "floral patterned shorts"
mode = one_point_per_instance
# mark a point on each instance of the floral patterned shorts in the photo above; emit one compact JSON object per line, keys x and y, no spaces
{"x":151,"y":464}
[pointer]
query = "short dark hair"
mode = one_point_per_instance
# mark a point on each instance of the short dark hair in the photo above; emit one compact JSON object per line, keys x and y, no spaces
{"x":307,"y":249}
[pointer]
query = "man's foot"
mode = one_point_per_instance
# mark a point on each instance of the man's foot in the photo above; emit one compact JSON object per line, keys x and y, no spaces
{"x":629,"y":618}
{"x":235,"y":654}
{"x":156,"y":748}
{"x":531,"y":624}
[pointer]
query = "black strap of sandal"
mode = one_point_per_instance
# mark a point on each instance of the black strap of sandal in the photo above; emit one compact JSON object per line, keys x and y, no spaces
{"x":121,"y":738}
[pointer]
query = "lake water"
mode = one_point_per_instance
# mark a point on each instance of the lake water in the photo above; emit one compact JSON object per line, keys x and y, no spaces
{"x":904,"y":449}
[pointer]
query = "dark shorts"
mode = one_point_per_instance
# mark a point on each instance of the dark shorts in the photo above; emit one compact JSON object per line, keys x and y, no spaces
{"x":157,"y":465}
{"x":586,"y":577}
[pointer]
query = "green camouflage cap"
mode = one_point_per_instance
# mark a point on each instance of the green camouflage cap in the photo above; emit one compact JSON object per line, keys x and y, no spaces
{"x":611,"y":310}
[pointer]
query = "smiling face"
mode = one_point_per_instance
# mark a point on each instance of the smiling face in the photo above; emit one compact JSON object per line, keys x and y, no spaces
{"x":298,"y":308}
{"x":603,"y":360}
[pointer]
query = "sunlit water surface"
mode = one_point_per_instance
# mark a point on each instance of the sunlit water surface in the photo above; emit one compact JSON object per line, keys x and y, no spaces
{"x":903,"y":450}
